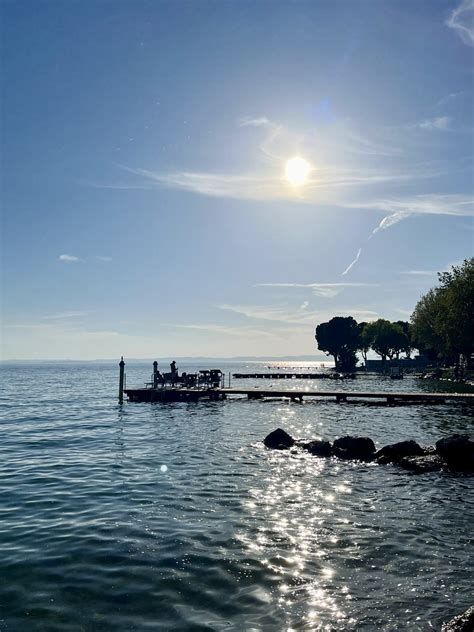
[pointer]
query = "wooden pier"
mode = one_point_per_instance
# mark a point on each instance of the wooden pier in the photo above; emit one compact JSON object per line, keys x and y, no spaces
{"x":165,"y":395}
{"x":389,"y":397}
{"x":290,"y":376}
{"x":385,"y":397}
{"x":210,"y":385}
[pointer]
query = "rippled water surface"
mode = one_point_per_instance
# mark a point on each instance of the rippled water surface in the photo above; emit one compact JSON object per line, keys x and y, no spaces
{"x":175,"y":517}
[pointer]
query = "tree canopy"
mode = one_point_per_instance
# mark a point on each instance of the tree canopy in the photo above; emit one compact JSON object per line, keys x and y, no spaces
{"x":339,"y":337}
{"x":441,"y":327}
{"x":387,"y":339}
{"x":443,"y":319}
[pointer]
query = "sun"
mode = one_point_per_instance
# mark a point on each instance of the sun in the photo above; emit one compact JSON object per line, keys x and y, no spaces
{"x":297,"y":171}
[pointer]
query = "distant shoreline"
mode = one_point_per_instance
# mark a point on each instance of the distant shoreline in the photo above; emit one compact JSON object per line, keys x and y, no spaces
{"x":305,"y":358}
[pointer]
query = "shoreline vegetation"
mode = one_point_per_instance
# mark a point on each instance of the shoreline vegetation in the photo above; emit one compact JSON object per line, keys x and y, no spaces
{"x":441,"y":329}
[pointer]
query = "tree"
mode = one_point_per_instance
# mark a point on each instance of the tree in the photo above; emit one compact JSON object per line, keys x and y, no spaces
{"x":443,"y":319}
{"x":339,"y":337}
{"x":426,"y":321}
{"x":457,"y":288}
{"x":387,"y":339}
{"x":365,"y":340}
{"x":406,"y":328}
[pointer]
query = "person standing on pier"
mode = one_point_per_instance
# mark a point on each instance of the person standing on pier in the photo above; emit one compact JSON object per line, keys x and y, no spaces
{"x":174,"y":372}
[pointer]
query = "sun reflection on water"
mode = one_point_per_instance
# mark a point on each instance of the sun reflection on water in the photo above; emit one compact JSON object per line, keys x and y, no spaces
{"x":296,"y":544}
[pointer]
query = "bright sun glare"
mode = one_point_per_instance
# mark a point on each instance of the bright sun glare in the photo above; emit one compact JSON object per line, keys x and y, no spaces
{"x":297,"y":171}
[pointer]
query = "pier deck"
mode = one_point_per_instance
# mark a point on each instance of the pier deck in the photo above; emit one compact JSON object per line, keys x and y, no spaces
{"x":388,"y":397}
{"x":341,"y":396}
{"x":282,"y":376}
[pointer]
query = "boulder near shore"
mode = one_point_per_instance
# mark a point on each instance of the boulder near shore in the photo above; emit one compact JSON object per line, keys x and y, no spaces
{"x":454,"y":453}
{"x":462,"y":623}
{"x":279,"y":440}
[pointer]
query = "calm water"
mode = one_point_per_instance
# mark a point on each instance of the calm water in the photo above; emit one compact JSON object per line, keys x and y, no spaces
{"x":174,"y":517}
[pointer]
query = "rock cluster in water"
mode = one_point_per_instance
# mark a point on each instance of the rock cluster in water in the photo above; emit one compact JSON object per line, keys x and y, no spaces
{"x":455,"y":453}
{"x":462,"y":623}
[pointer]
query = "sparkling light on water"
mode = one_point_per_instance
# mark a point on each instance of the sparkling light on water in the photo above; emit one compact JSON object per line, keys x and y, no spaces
{"x":96,"y":531}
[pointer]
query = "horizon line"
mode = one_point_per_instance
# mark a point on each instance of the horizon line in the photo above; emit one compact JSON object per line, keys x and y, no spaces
{"x":152,"y":359}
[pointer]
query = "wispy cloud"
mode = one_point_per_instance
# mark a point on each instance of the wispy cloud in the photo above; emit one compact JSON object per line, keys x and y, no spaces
{"x":353,"y":262}
{"x":69,"y":258}
{"x":356,"y":143}
{"x":448,"y":266}
{"x":451,"y":204}
{"x":327,"y":290}
{"x":462,"y":21}
{"x":331,"y":181}
{"x":237,"y":186}
{"x":248,"y":121}
{"x":319,"y":189}
{"x":390,"y":220}
{"x":399,"y":209}
{"x":440,"y":123}
{"x":274,"y":132}
{"x":70,"y":314}
{"x":334,"y":180}
{"x":249,"y":332}
{"x":419,"y":272}
{"x":293,"y":315}
{"x":451,"y":97}
{"x":75,"y":259}
{"x":276,"y":313}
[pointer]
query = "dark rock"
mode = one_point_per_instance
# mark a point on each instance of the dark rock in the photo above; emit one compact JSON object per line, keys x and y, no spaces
{"x":462,"y":623}
{"x":361,"y":448}
{"x":458,"y":452}
{"x":318,"y":448}
{"x":279,"y":440}
{"x":396,"y":451}
{"x":422,"y":464}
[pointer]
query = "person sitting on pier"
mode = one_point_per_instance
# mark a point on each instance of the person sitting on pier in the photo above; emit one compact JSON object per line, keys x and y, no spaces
{"x":160,"y":378}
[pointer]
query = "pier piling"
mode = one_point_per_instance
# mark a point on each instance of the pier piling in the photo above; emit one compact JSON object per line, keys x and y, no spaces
{"x":122,"y":372}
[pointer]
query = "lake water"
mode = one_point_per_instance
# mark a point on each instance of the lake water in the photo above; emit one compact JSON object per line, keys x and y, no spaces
{"x":175,"y":517}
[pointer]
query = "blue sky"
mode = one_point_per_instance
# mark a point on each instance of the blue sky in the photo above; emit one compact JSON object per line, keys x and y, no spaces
{"x":145,"y":209}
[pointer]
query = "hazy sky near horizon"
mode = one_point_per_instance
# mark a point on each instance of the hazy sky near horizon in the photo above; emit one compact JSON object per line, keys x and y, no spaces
{"x":145,"y":209}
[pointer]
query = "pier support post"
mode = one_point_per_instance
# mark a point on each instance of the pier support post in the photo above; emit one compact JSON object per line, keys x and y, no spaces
{"x":122,"y":372}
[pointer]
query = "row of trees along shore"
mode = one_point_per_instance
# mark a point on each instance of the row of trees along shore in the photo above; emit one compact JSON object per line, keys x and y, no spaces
{"x":440,"y":328}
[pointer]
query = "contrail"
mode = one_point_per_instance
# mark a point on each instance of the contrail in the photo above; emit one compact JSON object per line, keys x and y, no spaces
{"x":353,"y":262}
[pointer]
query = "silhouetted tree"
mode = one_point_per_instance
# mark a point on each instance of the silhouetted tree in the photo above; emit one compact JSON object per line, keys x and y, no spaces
{"x":427,"y":324}
{"x":387,"y":339}
{"x":443,"y":319}
{"x":365,"y":340}
{"x":339,"y":337}
{"x":406,"y":328}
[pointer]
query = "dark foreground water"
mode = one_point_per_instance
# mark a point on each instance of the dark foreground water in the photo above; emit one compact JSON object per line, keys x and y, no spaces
{"x":174,"y":517}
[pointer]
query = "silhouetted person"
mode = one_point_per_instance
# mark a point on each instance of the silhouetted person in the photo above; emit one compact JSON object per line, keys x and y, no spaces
{"x":174,"y":371}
